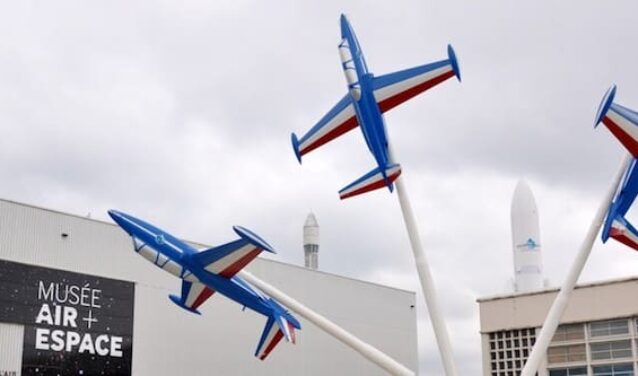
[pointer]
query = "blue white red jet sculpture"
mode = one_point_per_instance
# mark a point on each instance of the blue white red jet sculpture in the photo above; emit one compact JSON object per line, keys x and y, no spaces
{"x":623,"y":123}
{"x":207,"y":271}
{"x":367,"y":99}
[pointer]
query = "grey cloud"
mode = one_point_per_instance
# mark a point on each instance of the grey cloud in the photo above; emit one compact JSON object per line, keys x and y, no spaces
{"x":181,"y":114}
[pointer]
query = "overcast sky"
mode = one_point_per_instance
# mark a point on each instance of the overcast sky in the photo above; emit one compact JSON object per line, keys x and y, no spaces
{"x":180,"y":113}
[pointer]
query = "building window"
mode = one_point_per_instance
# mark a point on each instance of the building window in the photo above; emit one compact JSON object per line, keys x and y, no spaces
{"x":573,"y":371}
{"x":608,"y":328}
{"x":611,"y":350}
{"x":509,"y":350}
{"x":614,"y":370}
{"x":571,"y":332}
{"x":564,"y":354}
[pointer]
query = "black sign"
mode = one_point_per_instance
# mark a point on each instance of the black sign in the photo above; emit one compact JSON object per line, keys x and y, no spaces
{"x":74,"y":324}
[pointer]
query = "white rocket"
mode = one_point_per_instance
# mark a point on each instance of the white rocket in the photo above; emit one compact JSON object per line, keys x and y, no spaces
{"x":528,"y":265}
{"x":311,"y":242}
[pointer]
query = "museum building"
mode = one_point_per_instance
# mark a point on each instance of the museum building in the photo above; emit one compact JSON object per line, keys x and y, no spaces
{"x":598,"y":335}
{"x":76,"y":300}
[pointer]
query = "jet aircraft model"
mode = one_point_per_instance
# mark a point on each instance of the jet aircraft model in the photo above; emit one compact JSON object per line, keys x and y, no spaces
{"x":207,"y":271}
{"x":623,"y":124}
{"x":367,"y":99}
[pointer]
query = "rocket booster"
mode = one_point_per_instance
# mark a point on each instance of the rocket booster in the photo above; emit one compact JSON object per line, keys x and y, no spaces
{"x":528,"y":267}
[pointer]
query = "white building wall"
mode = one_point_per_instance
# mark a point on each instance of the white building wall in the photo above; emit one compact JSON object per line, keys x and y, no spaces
{"x":170,"y":341}
{"x":11,"y":348}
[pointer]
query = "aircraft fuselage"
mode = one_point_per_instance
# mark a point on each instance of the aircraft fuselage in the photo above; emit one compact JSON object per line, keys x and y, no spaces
{"x":366,"y":108}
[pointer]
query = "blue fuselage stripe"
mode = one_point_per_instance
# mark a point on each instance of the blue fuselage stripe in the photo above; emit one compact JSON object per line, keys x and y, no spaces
{"x":368,"y":114}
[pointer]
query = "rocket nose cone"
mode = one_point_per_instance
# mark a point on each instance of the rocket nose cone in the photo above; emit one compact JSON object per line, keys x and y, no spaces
{"x":311,"y":221}
{"x":522,"y":192}
{"x":524,"y":213}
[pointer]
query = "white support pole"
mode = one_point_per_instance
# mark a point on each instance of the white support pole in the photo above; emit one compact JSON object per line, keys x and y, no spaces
{"x":427,"y":284}
{"x":425,"y":277}
{"x":371,"y":353}
{"x":560,"y":303}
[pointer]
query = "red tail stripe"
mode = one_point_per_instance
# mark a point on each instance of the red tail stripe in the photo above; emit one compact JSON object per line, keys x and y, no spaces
{"x":624,"y":239}
{"x":376,"y":185}
{"x":622,"y":136}
{"x":205,"y":294}
{"x":278,"y":336}
{"x":613,"y":232}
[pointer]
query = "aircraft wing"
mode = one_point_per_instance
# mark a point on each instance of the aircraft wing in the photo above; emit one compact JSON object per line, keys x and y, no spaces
{"x":228,"y":259}
{"x":194,"y":294}
{"x":390,"y":90}
{"x":339,"y":120}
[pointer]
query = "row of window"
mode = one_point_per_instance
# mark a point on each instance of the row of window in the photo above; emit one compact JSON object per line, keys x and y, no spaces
{"x":512,"y":343}
{"x":510,"y":354}
{"x":510,"y":348}
{"x":603,"y":370}
{"x":600,"y":350}
{"x":512,"y":333}
{"x":575,"y":332}
{"x":508,"y":373}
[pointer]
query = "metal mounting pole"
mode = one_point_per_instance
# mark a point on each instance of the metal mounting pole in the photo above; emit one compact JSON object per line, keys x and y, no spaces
{"x":560,"y":303}
{"x":371,"y":353}
{"x":425,"y":277}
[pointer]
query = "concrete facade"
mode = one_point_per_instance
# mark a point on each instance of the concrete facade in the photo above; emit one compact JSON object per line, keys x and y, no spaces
{"x":597,"y":335}
{"x":170,"y":341}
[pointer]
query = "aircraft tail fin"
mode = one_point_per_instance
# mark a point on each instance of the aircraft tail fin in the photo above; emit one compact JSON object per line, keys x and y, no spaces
{"x":621,"y":121}
{"x":375,"y":179}
{"x":193,"y":295}
{"x":295,"y":146}
{"x":618,"y":228}
{"x":277,"y":327}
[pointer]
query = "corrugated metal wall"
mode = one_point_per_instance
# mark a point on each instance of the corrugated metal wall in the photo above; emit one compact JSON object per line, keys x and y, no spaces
{"x":169,"y":341}
{"x":11,"y":348}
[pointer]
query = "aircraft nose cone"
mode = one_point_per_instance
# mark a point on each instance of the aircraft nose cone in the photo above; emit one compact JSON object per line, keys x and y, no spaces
{"x":345,"y":25}
{"x":115,"y":215}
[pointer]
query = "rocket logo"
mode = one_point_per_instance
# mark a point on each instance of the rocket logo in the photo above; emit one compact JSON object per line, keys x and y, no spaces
{"x":530,"y":244}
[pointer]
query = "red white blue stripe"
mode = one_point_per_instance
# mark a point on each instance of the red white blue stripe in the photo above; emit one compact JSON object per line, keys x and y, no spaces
{"x":620,"y":120}
{"x":622,"y":233}
{"x":373,"y":180}
{"x":276,"y":328}
{"x":395,"y":88}
{"x":339,"y":120}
